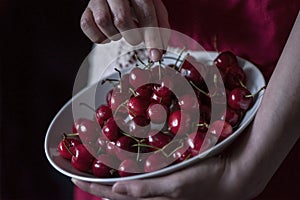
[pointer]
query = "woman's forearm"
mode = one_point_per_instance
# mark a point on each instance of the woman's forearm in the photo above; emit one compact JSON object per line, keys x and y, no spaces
{"x":276,"y":127}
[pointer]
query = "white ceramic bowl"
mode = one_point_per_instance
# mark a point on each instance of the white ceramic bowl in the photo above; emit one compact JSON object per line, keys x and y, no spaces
{"x":64,"y":119}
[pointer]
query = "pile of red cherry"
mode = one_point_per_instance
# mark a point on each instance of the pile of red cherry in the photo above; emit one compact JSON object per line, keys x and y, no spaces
{"x":144,"y":126}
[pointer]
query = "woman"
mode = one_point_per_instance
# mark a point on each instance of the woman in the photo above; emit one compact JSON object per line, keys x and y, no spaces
{"x":255,"y":30}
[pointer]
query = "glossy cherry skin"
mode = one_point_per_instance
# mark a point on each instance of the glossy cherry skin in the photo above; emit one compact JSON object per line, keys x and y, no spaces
{"x":139,"y":77}
{"x":124,"y":148}
{"x":165,"y":100}
{"x":82,"y":159}
{"x":181,"y":154}
{"x":155,"y":162}
{"x":157,"y":113}
{"x":189,"y":103}
{"x":240,"y":99}
{"x":76,"y":124}
{"x":231,"y":116}
{"x":102,"y":167}
{"x":145,"y":91}
{"x":137,"y":106}
{"x":129,"y":167}
{"x":117,"y":101}
{"x":88,"y":130}
{"x":103,"y":113}
{"x":220,"y":129}
{"x":191,"y":70}
{"x":180,"y":122}
{"x":195,"y":141}
{"x":234,"y":76}
{"x":111,"y":130}
{"x":66,"y":147}
{"x":138,"y":126}
{"x":225,"y":59}
{"x":157,"y":139}
{"x":165,"y":87}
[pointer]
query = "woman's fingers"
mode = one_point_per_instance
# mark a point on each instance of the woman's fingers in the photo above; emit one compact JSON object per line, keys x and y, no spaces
{"x":89,"y":27}
{"x":124,"y":21}
{"x":103,"y":19}
{"x":147,"y":18}
{"x":108,"y":18}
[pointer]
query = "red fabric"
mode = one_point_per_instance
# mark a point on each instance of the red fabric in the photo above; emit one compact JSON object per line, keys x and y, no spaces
{"x":255,"y":30}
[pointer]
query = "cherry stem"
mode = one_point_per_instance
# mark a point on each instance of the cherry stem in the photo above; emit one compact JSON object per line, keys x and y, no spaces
{"x":64,"y":142}
{"x":146,"y":145}
{"x":130,"y":136}
{"x":88,"y":106}
{"x":203,"y":124}
{"x":118,"y":108}
{"x":133,"y":92}
{"x":242,"y":84}
{"x":159,"y":70}
{"x":168,"y":155}
{"x":252,"y":95}
{"x":136,"y":57}
{"x":119,"y":72}
{"x":205,"y":93}
{"x":184,"y":59}
{"x":110,"y":80}
{"x":70,"y":135}
{"x":180,"y":54}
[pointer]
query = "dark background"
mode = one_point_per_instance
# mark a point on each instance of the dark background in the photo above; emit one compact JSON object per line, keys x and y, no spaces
{"x":42,"y":47}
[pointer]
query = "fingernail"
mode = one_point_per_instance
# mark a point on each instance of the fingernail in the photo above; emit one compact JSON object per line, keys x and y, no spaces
{"x":155,"y":55}
{"x":120,"y":188}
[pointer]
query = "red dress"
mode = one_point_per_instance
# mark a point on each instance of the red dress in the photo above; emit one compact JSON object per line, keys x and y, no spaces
{"x":256,"y":30}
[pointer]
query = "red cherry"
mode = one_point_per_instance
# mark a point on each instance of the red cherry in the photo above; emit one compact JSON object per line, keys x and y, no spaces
{"x":88,"y":130}
{"x":66,"y":147}
{"x":220,"y":129}
{"x":231,"y":116}
{"x":124,"y":148}
{"x":139,"y":77}
{"x":164,"y":100}
{"x":191,"y":70}
{"x":235,"y":76}
{"x":137,"y":106}
{"x":158,"y":139}
{"x":108,"y":97}
{"x":240,"y":99}
{"x":76,"y":125}
{"x":139,"y":126}
{"x":111,"y":148}
{"x":165,"y":87}
{"x":102,"y":167}
{"x":180,"y":122}
{"x":128,"y":168}
{"x":145,"y":91}
{"x":111,"y":130}
{"x":157,"y":113}
{"x":155,"y":162}
{"x":189,"y":103}
{"x":82,"y":159}
{"x":117,"y":101}
{"x":225,"y":59}
{"x":195,"y":141}
{"x":103,"y":113}
{"x":181,"y":154}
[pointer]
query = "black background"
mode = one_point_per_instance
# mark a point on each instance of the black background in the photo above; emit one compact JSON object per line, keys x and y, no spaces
{"x":42,"y":47}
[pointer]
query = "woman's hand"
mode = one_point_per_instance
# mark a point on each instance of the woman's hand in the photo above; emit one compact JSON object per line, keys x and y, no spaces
{"x":109,"y":20}
{"x":216,"y":178}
